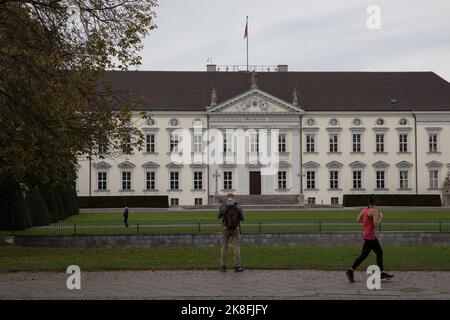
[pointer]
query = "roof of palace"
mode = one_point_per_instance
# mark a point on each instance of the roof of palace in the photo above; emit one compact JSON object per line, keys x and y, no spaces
{"x":317,"y":91}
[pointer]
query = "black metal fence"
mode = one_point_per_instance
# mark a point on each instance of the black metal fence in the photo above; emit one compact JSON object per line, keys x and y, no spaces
{"x":196,"y":226}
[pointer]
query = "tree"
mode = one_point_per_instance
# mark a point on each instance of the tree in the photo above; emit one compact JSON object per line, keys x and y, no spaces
{"x":54,"y":105}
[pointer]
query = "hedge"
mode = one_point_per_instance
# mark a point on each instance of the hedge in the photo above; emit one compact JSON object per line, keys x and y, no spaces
{"x":50,"y":201}
{"x":59,"y":204}
{"x":427,"y":200}
{"x":122,"y":201}
{"x":14,"y":207}
{"x":37,"y":208}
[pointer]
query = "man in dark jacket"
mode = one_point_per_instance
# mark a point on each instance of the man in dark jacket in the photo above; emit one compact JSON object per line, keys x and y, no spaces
{"x":125,"y":217}
{"x":230,"y":233}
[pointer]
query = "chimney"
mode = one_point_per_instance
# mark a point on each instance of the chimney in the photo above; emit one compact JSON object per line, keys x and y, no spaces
{"x":282,"y":68}
{"x":211,"y":67}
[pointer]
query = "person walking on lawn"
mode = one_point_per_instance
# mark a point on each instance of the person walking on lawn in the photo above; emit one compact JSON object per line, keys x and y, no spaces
{"x":370,"y":218}
{"x":231,"y":214}
{"x":125,"y":217}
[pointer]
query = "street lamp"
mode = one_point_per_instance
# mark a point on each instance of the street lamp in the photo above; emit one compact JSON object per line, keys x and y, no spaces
{"x":216,"y":175}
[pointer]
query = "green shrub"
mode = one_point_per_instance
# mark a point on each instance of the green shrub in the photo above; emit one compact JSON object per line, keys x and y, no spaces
{"x":37,"y":208}
{"x":59,"y":204}
{"x":122,"y":201}
{"x":52,"y":206}
{"x":427,"y":200}
{"x":14,"y":210}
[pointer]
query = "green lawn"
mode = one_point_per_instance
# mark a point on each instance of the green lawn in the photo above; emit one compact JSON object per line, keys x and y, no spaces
{"x":307,"y":221}
{"x":140,"y":217}
{"x":13,"y":258}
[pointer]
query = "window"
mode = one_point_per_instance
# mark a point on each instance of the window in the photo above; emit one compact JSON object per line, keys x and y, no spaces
{"x":282,"y":142}
{"x":333,"y":122}
{"x":379,"y":142}
{"x":126,"y":180}
{"x":198,"y":123}
{"x":174,"y":180}
{"x":357,"y":179}
{"x":356,"y":142}
{"x":310,"y":122}
{"x":380,"y":122}
{"x":174,"y":142}
{"x":227,"y":143}
{"x":150,"y":122}
{"x":357,"y":122}
{"x":310,"y":179}
{"x":198,"y":180}
{"x":150,"y":180}
{"x":433,"y":142}
{"x":102,"y":180}
{"x":254,"y":143}
{"x":310,"y":143}
{"x":198,"y":143}
{"x":103,"y":148}
{"x":403,"y":122}
{"x":228,"y":180}
{"x":198,"y":201}
{"x":174,"y":122}
{"x":403,"y":179}
{"x":434,"y":179}
{"x":334,"y":143}
{"x":150,"y":143}
{"x":174,"y":202}
{"x":381,"y":182}
{"x":334,"y":179}
{"x":281,"y":180}
{"x":403,"y":142}
{"x":311,"y":200}
{"x":334,"y":200}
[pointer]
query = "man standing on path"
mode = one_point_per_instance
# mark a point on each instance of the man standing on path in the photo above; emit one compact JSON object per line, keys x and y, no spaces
{"x":231,"y":215}
{"x":370,"y":218}
{"x":125,"y":217}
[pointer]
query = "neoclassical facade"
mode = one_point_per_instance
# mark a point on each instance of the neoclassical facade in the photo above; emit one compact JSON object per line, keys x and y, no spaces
{"x":304,"y":137}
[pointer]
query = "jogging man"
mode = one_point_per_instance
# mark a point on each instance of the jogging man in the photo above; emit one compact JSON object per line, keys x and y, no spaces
{"x":125,"y":217}
{"x":370,"y":218}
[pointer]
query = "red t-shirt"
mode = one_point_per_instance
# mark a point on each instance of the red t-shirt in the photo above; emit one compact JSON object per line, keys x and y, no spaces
{"x":368,"y":225}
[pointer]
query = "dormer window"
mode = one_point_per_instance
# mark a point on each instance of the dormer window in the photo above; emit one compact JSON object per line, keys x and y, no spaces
{"x":380,"y":122}
{"x":198,"y":123}
{"x":150,"y":122}
{"x":174,"y":122}
{"x":310,"y":122}
{"x":357,"y":122}
{"x":403,"y":122}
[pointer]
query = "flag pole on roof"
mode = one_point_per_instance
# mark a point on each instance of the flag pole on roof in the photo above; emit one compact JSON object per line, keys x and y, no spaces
{"x":246,"y":37}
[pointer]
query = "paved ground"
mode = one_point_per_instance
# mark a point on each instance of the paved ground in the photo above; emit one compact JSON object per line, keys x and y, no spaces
{"x":251,"y":284}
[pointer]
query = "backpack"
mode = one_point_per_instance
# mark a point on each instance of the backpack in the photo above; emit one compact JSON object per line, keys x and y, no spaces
{"x":231,"y":217}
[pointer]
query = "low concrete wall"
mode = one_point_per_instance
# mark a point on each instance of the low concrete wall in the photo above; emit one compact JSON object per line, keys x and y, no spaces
{"x":204,"y":240}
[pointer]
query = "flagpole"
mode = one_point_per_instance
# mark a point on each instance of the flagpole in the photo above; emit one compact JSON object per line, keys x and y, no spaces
{"x":246,"y":26}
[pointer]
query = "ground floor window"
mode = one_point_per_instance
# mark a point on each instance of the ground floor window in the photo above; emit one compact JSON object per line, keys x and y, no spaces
{"x":126,"y":180}
{"x":357,"y":179}
{"x":150,"y":180}
{"x":311,"y":200}
{"x":174,"y":202}
{"x":198,"y":201}
{"x":381,"y":182}
{"x":282,"y":180}
{"x":310,"y":179}
{"x":334,"y":200}
{"x":102,"y":180}
{"x":434,"y":179}
{"x":227,"y":180}
{"x":198,"y":180}
{"x":404,"y":179}
{"x":174,"y":180}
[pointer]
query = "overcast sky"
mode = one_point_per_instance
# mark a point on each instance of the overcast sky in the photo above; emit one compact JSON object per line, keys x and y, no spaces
{"x":326,"y":35}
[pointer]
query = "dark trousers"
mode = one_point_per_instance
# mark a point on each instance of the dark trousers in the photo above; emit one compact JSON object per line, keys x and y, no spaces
{"x":370,"y":245}
{"x":125,"y":220}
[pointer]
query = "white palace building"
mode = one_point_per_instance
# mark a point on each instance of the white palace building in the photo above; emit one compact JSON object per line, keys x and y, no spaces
{"x":279,"y":137}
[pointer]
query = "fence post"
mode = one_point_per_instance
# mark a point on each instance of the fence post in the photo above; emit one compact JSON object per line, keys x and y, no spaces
{"x":260,"y":229}
{"x":320,"y":226}
{"x":74,"y":229}
{"x":199,"y":227}
{"x":440,"y":226}
{"x":137,"y":228}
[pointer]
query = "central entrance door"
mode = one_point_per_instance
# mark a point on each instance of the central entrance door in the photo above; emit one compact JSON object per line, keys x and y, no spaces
{"x":255,"y":182}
